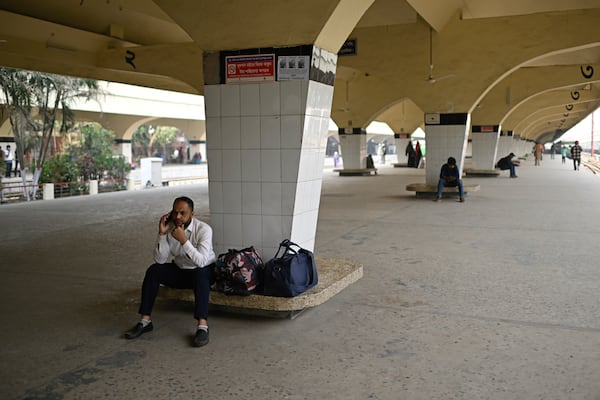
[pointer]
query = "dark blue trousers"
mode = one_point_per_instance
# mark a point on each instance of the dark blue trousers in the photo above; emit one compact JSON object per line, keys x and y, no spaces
{"x":170,"y":275}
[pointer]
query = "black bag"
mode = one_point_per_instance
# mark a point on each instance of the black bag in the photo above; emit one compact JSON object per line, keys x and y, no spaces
{"x":290,"y":274}
{"x":239,"y":272}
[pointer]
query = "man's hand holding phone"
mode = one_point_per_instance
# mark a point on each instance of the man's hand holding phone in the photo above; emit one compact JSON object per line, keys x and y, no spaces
{"x":164,"y":223}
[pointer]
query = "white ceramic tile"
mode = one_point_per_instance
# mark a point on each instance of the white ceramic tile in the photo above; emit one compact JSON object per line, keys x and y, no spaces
{"x":291,"y":96}
{"x":250,"y":132}
{"x":271,"y":198}
{"x":268,"y":252}
{"x":308,"y":165}
{"x":291,"y":131}
{"x":312,"y":132}
{"x":212,"y":101}
{"x":288,"y":198}
{"x":304,"y":95}
{"x":311,"y":99}
{"x":286,"y":226}
{"x":216,"y":223}
{"x":327,"y":102}
{"x":232,"y":197}
{"x":230,"y":132}
{"x":215,"y":196}
{"x":298,"y":228}
{"x":232,"y":232}
{"x":270,"y":132}
{"x":302,"y":196}
{"x":324,"y":133}
{"x":252,"y":231}
{"x":290,"y":163}
{"x":215,"y":168}
{"x":315,"y":193}
{"x":251,"y":165}
{"x":232,"y":166}
{"x":269,"y":99}
{"x":271,"y":230}
{"x":309,"y":225}
{"x":250,"y":99}
{"x":319,"y":164}
{"x":251,"y":198}
{"x":213,"y":133}
{"x":230,"y":100}
{"x":308,"y":244}
{"x":270,"y":169}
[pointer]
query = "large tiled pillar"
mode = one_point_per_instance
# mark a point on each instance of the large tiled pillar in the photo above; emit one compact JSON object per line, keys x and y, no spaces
{"x":505,"y":145}
{"x":266,"y":146}
{"x":401,"y":140}
{"x":353,"y":143}
{"x":485,"y":145}
{"x":446,"y":136}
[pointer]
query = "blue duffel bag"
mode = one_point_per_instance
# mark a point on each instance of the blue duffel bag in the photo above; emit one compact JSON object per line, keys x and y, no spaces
{"x":290,"y":274}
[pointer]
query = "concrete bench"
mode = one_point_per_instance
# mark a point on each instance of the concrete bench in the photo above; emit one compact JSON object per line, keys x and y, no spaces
{"x":334,"y":275}
{"x":424,"y":190}
{"x":356,"y":171}
{"x":482,"y":172}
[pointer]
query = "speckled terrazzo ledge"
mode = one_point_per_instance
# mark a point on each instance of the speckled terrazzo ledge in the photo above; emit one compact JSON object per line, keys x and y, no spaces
{"x":334,"y":275}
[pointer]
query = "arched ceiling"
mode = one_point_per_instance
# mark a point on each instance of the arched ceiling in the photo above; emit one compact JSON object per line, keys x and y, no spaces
{"x":480,"y":48}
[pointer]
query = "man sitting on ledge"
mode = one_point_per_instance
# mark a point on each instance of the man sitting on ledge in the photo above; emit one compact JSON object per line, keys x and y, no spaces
{"x":189,"y":241}
{"x":450,"y":177}
{"x":508,"y":163}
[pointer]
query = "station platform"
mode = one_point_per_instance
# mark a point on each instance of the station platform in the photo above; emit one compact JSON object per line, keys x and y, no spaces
{"x":494,"y":298}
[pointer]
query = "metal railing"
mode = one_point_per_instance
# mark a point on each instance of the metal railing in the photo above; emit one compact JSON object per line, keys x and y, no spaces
{"x":16,"y":192}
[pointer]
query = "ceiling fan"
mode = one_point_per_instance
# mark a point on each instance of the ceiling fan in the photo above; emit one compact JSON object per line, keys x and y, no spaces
{"x":432,"y":79}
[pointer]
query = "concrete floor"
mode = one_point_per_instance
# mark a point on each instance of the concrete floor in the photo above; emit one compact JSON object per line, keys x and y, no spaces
{"x":494,"y":298}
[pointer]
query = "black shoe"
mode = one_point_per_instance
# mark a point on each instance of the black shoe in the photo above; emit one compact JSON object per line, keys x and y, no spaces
{"x":138,"y":330}
{"x":201,"y":338}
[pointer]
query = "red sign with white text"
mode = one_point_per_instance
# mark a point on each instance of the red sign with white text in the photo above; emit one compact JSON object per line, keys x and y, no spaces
{"x":251,"y":68}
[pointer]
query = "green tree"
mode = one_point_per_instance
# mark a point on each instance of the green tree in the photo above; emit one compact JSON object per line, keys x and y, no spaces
{"x":149,"y":136}
{"x":37,"y":104}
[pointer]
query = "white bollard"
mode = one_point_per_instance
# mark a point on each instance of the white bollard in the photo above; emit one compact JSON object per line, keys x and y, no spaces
{"x":94,"y":186}
{"x":48,"y":191}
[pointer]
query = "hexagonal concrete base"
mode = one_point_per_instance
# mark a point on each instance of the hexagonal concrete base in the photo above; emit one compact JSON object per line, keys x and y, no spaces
{"x":334,"y":275}
{"x":422,"y":189}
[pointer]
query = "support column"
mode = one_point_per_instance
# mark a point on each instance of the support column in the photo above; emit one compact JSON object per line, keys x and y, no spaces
{"x":123,"y":147}
{"x":353,"y":144}
{"x":266,"y":142}
{"x":505,"y":145}
{"x":401,"y":140}
{"x":446,"y":136}
{"x":485,"y":146}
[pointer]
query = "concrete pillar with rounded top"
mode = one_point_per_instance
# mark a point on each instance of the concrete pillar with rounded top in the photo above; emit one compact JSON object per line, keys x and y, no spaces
{"x":353,"y":144}
{"x":485,"y":146}
{"x":266,"y":141}
{"x":447,"y":136}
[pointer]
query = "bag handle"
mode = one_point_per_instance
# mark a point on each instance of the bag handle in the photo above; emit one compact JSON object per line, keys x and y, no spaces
{"x":247,"y":250}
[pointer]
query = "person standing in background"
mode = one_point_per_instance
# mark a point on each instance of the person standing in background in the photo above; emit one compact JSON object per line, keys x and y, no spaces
{"x":8,"y":159}
{"x":576,"y":155}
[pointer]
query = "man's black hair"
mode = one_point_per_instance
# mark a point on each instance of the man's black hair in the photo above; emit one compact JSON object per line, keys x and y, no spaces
{"x":189,"y":202}
{"x":451,"y":161}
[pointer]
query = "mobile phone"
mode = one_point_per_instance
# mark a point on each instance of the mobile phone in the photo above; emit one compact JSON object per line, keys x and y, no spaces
{"x":170,"y":218}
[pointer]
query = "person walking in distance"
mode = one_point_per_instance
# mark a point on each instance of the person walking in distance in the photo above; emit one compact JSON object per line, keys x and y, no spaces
{"x":576,"y":155}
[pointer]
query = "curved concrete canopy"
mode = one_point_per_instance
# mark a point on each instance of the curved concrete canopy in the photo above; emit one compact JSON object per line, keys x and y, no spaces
{"x":476,"y":44}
